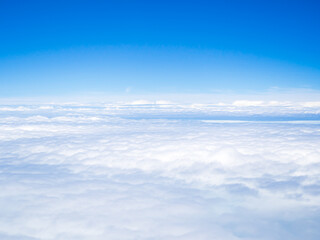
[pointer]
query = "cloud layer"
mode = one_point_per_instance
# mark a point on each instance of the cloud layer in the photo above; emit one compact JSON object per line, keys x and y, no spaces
{"x":160,"y":171}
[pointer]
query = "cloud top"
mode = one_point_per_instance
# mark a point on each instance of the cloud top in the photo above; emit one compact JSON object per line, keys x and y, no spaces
{"x":114,"y":171}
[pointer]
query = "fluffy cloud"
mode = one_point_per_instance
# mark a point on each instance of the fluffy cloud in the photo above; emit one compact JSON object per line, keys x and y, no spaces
{"x":155,"y":172}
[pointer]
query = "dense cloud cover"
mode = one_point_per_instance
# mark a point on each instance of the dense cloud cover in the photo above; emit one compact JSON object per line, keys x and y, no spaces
{"x":160,"y":171}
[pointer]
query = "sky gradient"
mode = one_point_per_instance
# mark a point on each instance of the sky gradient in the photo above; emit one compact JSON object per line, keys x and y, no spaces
{"x":158,"y":47}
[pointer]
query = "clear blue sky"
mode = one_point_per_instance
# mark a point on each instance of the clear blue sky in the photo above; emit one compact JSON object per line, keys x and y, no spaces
{"x":69,"y":47}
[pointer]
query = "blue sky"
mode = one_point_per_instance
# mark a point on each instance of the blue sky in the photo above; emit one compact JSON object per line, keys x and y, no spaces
{"x":137,"y":47}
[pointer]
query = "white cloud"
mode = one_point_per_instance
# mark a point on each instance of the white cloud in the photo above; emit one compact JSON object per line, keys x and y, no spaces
{"x":176,"y":172}
{"x":141,"y":102}
{"x":311,"y":104}
{"x":246,"y":103}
